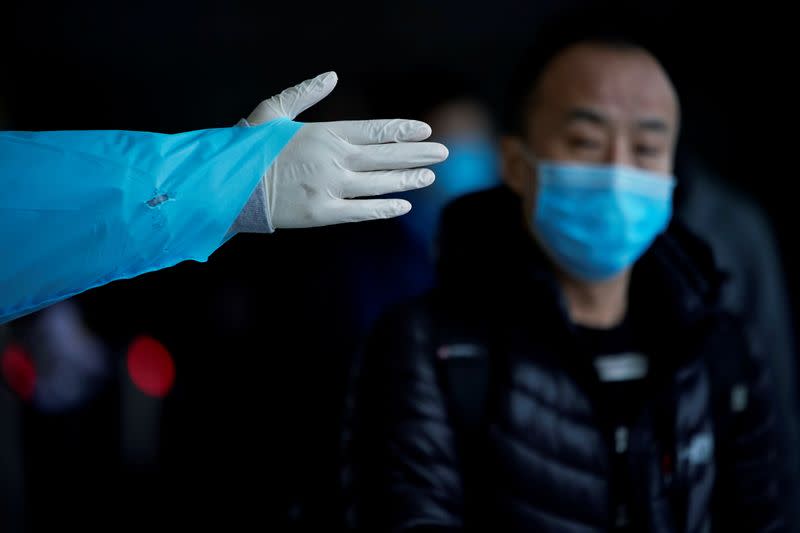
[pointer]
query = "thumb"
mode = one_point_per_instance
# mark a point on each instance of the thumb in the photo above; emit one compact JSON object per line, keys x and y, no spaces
{"x":294,"y":100}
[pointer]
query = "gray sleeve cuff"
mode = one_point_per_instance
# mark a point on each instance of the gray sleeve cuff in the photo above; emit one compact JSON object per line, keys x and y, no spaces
{"x":254,"y":217}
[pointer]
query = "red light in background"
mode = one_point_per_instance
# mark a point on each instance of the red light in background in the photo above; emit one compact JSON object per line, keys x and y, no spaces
{"x":18,"y":370}
{"x":150,"y":366}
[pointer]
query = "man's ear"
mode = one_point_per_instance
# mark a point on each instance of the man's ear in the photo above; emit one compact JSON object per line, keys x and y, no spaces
{"x":517,"y":165}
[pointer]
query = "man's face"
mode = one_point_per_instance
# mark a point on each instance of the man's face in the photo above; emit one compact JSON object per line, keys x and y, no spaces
{"x":596,"y":104}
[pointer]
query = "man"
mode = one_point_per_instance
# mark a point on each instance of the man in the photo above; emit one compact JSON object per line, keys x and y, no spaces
{"x":573,"y":369}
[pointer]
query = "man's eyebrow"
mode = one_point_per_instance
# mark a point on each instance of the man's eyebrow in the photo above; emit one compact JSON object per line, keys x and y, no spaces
{"x":653,"y":124}
{"x":586,"y":114}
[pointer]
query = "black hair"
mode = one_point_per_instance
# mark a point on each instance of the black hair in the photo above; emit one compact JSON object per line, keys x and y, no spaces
{"x":618,"y":28}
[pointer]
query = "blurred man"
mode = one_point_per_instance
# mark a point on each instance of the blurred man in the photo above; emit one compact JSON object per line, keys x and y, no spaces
{"x":464,"y":125}
{"x":745,"y":248}
{"x":573,"y":369}
{"x":392,"y":261}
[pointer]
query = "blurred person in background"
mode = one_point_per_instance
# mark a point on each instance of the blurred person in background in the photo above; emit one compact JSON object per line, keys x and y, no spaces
{"x":745,"y":249}
{"x":574,"y":368}
{"x":70,"y":362}
{"x":61,"y":375}
{"x":395,"y":260}
{"x":462,"y":121}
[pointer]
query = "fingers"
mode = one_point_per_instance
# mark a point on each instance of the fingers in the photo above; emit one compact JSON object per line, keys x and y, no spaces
{"x":360,"y":210}
{"x":386,"y":181}
{"x":395,"y":156}
{"x":380,"y":131}
{"x":294,"y":100}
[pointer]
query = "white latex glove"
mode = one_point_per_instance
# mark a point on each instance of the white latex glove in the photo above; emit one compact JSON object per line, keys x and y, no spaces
{"x":326,"y":163}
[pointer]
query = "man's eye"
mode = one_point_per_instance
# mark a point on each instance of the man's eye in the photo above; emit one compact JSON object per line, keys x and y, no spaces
{"x":647,"y":150}
{"x":583,"y":143}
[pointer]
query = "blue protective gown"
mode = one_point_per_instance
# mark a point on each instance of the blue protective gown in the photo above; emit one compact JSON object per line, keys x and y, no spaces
{"x":82,"y":208}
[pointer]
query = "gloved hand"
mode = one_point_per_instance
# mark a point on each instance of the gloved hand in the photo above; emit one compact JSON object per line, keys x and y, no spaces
{"x":314,"y":177}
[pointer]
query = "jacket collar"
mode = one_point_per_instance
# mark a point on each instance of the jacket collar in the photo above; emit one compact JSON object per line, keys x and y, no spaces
{"x":488,"y":262}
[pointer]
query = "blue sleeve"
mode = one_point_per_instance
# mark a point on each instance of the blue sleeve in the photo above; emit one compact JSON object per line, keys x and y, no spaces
{"x":79,"y":209}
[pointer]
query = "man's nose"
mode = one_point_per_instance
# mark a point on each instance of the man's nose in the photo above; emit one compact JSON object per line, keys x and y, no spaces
{"x":620,"y":152}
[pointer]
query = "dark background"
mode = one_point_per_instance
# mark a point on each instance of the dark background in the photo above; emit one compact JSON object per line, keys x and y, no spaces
{"x":263,"y":333}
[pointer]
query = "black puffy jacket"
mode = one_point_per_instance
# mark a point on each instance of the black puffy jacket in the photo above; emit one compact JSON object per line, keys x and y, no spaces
{"x":538,"y":457}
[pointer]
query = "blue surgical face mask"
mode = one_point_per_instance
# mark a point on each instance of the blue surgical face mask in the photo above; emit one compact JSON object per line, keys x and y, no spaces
{"x":471,"y":166}
{"x":597,"y":220}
